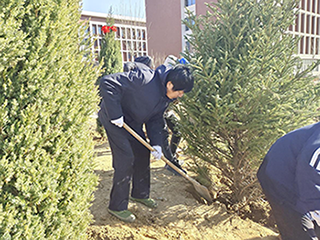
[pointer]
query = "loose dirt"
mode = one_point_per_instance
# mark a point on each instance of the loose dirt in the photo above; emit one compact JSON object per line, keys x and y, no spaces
{"x":179,"y":214}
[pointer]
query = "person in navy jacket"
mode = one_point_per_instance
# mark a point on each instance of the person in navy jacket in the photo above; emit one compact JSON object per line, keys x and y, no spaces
{"x":138,"y":97}
{"x":168,"y":149}
{"x":290,"y":178}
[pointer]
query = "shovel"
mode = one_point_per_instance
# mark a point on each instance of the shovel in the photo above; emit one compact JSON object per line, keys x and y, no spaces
{"x":202,"y":190}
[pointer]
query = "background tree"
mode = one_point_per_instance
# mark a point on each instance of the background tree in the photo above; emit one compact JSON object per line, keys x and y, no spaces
{"x":250,"y":88}
{"x":47,"y":94}
{"x":110,"y":55}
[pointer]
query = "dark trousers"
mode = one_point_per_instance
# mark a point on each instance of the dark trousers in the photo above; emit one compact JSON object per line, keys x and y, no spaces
{"x":131,"y":162}
{"x":288,"y":220}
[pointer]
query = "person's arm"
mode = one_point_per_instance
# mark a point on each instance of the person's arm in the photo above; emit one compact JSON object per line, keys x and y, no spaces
{"x":112,"y":88}
{"x":115,"y":87}
{"x":154,"y":129}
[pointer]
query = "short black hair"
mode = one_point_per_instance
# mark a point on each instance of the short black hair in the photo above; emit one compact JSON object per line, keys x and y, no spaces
{"x":145,"y":60}
{"x":181,"y":78}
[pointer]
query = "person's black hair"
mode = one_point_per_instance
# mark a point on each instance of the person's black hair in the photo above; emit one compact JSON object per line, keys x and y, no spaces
{"x":181,"y":78}
{"x":145,"y":60}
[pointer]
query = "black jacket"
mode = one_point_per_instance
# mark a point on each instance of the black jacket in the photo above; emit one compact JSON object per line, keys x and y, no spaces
{"x":293,"y":165}
{"x":139,"y":96}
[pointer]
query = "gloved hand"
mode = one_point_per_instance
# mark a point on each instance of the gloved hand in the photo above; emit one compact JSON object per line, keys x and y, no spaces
{"x":157,"y":153}
{"x":316,"y":216}
{"x":118,"y":122}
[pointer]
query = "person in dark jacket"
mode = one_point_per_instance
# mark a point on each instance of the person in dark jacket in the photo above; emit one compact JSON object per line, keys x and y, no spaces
{"x":138,"y":97}
{"x":168,"y":148}
{"x":290,"y":178}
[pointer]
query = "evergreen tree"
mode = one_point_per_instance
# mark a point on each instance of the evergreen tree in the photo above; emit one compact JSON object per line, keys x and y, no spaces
{"x":110,"y":55}
{"x":250,"y":88}
{"x":47,"y":95}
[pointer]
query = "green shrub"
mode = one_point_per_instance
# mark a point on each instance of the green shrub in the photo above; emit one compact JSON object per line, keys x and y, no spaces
{"x":249,"y":90}
{"x":47,"y":95}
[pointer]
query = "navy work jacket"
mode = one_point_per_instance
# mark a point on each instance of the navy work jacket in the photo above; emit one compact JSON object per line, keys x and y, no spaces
{"x":293,"y":164}
{"x":139,"y":96}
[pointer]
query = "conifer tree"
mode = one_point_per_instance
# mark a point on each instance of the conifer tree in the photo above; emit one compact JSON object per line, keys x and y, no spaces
{"x":110,"y":55}
{"x":250,"y":88}
{"x":47,"y":95}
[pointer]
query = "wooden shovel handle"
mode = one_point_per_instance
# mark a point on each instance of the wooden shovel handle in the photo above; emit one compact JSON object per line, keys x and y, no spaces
{"x":163,"y":158}
{"x":202,"y":190}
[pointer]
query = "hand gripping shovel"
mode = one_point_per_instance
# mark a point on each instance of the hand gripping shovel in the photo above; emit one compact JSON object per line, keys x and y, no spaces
{"x":202,"y":190}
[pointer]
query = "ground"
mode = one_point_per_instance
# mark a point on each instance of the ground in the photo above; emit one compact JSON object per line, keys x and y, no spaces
{"x":179,"y":214}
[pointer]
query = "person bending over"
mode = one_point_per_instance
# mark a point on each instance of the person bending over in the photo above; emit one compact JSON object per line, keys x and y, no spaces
{"x":137,"y":97}
{"x":290,"y":178}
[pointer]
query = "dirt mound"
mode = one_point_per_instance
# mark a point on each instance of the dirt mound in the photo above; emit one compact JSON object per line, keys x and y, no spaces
{"x":178,"y":216}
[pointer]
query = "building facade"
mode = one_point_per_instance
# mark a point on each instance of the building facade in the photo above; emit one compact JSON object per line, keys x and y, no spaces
{"x":307,"y":27}
{"x":131,"y":32}
{"x":166,"y":32}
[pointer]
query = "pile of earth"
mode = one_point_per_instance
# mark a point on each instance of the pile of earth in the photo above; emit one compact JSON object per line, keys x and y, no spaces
{"x":179,"y":214}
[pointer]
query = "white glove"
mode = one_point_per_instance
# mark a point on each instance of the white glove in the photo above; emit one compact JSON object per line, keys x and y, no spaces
{"x":118,"y":122}
{"x":157,"y":153}
{"x":316,"y":216}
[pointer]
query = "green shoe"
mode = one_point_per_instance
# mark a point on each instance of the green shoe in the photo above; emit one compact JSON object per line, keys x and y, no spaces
{"x":124,"y":215}
{"x":149,"y":202}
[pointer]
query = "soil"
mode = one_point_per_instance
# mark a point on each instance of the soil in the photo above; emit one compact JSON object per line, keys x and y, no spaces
{"x":180,"y":215}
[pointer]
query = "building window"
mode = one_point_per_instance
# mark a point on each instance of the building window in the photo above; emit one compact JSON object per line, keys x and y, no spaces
{"x":133,"y":40}
{"x":133,"y":33}
{"x":307,"y":28}
{"x":99,"y":30}
{"x":143,"y":35}
{"x":138,"y":34}
{"x":189,"y":2}
{"x":118,"y":32}
{"x":129,"y":57}
{"x":124,"y":56}
{"x":129,"y":33}
{"x":188,"y":21}
{"x":94,"y":31}
{"x":123,"y":33}
{"x":129,"y":45}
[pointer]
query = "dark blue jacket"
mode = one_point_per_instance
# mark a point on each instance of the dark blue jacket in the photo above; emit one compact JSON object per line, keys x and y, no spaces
{"x":292,"y":164}
{"x":139,"y":96}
